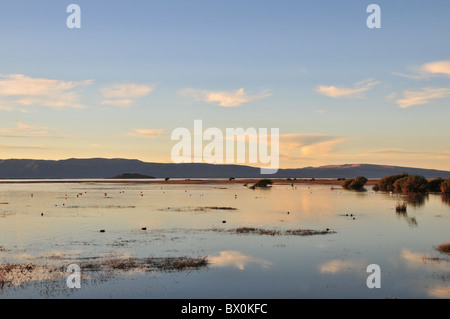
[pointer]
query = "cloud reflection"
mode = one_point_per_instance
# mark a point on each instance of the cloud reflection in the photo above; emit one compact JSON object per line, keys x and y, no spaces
{"x":336,"y":266}
{"x":231,"y":258}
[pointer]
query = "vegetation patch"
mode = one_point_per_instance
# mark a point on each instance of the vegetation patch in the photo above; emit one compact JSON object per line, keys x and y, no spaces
{"x":272,"y":232}
{"x":197,"y":209}
{"x":444,"y":248}
{"x":263,"y":183}
{"x":412,"y":184}
{"x":147,"y":264}
{"x":400,"y":208}
{"x":355,"y":183}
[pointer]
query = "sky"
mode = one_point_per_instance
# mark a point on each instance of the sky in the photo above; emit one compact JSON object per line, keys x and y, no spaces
{"x":338,"y":91}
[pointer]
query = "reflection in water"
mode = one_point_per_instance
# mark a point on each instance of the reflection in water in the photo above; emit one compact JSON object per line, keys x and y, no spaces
{"x":416,"y":200}
{"x":64,"y":234}
{"x":236,"y":259}
{"x":415,"y":259}
{"x":436,"y":267}
{"x":337,"y":266}
{"x":412,"y":222}
{"x":440,"y":291}
{"x":446,"y":199}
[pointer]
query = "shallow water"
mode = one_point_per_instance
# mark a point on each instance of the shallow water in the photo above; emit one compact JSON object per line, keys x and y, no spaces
{"x":183,"y":220}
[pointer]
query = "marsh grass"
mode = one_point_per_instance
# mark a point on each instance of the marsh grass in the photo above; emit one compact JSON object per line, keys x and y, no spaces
{"x":400,"y":208}
{"x":197,"y":209}
{"x":147,"y":264}
{"x":271,"y":232}
{"x":444,"y":248}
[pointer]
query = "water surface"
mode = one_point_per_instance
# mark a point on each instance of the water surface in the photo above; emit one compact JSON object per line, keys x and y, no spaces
{"x":195,"y":220}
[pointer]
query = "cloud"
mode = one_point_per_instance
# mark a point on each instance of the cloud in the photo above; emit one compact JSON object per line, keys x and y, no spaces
{"x":299,"y":146}
{"x":21,"y":90}
{"x":18,"y":147}
{"x":438,"y":67}
{"x":121,"y":103}
{"x":21,"y":127}
{"x":356,"y":91}
{"x":126,"y":90}
{"x":401,"y":152}
{"x":422,"y":97}
{"x":223,"y":98}
{"x":429,"y":70}
{"x":123,"y":94}
{"x":149,"y":133}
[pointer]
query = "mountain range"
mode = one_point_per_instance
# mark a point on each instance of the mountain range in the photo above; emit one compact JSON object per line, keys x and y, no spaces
{"x":107,"y":168}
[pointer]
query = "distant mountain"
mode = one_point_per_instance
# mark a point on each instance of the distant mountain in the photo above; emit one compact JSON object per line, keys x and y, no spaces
{"x":105,"y":168}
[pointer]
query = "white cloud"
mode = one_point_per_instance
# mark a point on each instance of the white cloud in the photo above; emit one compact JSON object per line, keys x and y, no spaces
{"x":21,"y":90}
{"x":149,"y":133}
{"x":123,"y":94}
{"x":422,"y":97}
{"x":356,"y":91}
{"x":126,"y":90}
{"x":223,"y":98}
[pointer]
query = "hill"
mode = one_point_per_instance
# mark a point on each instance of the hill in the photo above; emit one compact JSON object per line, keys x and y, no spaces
{"x":105,"y":168}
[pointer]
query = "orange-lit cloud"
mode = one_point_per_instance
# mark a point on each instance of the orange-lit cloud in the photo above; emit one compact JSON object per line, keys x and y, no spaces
{"x":223,"y":98}
{"x":422,"y":96}
{"x":24,"y":91}
{"x":146,"y":133}
{"x":356,"y":91}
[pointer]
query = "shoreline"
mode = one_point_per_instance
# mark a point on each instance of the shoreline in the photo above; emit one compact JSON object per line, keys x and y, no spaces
{"x":276,"y":181}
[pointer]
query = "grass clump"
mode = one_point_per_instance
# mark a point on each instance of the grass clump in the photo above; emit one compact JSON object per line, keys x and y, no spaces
{"x":400,"y":208}
{"x":444,"y":248}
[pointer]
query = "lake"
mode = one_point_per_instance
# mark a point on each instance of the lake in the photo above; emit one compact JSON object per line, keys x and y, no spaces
{"x":247,"y":237}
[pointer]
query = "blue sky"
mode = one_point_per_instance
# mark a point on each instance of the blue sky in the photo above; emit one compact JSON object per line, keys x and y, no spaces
{"x":338,"y":91}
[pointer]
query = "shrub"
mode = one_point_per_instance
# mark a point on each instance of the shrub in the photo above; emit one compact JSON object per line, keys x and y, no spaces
{"x":435,"y":185}
{"x":355,"y":183}
{"x":387,"y":182}
{"x":414,"y":184}
{"x":445,"y":186}
{"x":262,"y":183}
{"x":398,"y":184}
